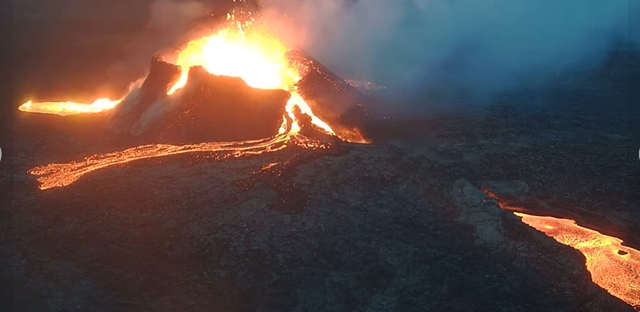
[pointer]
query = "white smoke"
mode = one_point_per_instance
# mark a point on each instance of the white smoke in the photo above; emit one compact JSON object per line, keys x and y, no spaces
{"x":479,"y":46}
{"x":169,"y":23}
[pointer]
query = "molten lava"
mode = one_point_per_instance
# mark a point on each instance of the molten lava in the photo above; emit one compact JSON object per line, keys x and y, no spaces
{"x":613,"y":266}
{"x":68,"y":108}
{"x":241,"y":49}
{"x":59,"y":175}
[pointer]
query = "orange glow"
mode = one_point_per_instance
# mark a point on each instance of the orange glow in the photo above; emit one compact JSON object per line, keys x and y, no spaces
{"x":613,"y":266}
{"x":68,"y":108}
{"x":60,"y":175}
{"x":240,"y":49}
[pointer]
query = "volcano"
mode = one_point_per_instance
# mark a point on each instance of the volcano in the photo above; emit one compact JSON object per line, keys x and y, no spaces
{"x":208,"y":108}
{"x":332,"y":98}
{"x":234,"y":85}
{"x":229,"y":179}
{"x":222,"y":108}
{"x":237,"y":92}
{"x":213,"y":107}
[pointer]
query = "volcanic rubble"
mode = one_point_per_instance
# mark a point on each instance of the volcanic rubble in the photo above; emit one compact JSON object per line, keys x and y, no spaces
{"x":398,"y":226}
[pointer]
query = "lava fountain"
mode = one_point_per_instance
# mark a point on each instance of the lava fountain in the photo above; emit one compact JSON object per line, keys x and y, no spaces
{"x":612,"y":266}
{"x":240,"y":49}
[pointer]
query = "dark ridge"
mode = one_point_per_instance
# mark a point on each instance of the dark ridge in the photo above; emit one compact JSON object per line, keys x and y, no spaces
{"x":207,"y":108}
{"x":162,"y":75}
{"x":330,"y":97}
{"x":221,"y":108}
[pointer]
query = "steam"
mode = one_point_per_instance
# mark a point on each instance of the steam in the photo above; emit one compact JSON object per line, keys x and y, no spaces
{"x":169,"y":23}
{"x":479,"y":47}
{"x":419,"y":49}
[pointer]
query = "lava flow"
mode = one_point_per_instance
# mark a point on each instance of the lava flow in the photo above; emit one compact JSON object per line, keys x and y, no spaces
{"x":241,"y":49}
{"x":613,"y":266}
{"x":69,"y":108}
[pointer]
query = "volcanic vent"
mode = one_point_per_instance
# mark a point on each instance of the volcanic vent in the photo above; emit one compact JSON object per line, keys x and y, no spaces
{"x":238,"y":91}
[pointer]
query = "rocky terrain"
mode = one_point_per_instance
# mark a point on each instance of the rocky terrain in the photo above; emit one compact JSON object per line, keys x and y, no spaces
{"x":398,"y":226}
{"x":401,"y":225}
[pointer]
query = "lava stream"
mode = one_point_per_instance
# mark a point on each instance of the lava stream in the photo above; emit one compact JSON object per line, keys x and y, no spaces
{"x":60,"y":175}
{"x":69,"y":108}
{"x":613,"y":266}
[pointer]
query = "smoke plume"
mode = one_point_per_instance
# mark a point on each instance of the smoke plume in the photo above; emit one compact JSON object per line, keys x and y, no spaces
{"x":169,"y":23}
{"x":467,"y":46}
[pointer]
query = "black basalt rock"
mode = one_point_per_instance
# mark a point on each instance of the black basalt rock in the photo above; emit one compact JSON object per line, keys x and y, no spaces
{"x":208,"y":108}
{"x":330,"y":97}
{"x":221,"y":108}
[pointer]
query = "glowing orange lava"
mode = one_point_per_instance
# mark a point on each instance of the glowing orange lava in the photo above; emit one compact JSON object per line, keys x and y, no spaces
{"x":613,"y":266}
{"x":68,"y":108}
{"x":59,"y":175}
{"x":241,"y":49}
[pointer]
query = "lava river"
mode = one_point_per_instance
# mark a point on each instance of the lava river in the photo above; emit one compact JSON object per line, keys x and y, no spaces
{"x":612,"y":266}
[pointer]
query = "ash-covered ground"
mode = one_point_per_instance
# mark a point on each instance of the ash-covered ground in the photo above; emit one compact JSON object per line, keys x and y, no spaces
{"x":396,"y":226}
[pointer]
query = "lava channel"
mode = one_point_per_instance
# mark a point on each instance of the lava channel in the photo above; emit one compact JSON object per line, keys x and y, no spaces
{"x":612,"y":266}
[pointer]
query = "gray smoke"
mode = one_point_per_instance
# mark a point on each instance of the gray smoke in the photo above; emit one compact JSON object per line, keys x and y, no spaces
{"x":478,"y":47}
{"x":169,"y":23}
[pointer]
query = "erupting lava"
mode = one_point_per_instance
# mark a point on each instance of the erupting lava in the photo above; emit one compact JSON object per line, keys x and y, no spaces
{"x":612,"y":265}
{"x":254,"y":56}
{"x":241,"y":49}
